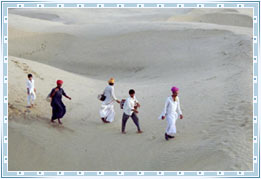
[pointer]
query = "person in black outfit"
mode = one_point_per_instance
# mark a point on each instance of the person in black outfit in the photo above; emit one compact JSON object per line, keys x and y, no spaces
{"x":58,"y":108}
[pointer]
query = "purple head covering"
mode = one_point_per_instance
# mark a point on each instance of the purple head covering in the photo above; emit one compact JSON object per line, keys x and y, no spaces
{"x":174,"y":89}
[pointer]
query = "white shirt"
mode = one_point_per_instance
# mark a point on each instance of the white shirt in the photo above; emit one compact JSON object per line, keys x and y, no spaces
{"x":171,"y":107}
{"x":30,"y":85}
{"x":129,"y":105}
{"x":110,"y":95}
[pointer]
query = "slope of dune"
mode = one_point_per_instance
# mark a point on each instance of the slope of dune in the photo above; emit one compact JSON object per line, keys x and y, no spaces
{"x":230,"y":17}
{"x":210,"y":62}
{"x":144,"y":48}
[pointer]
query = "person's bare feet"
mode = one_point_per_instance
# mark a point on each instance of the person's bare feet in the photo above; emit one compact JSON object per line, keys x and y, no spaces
{"x":59,"y":121}
{"x":123,"y":132}
{"x":139,"y":132}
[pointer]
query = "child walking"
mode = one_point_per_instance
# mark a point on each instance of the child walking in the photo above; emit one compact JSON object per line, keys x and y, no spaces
{"x":31,"y":96}
{"x":130,"y":110}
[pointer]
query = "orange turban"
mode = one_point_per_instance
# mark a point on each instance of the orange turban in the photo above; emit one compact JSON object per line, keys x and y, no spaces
{"x":111,"y":80}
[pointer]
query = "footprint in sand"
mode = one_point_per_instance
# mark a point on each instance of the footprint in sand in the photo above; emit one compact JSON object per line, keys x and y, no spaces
{"x":211,"y":78}
{"x":26,"y":68}
{"x":242,"y":125}
{"x":153,"y":137}
{"x":11,"y":106}
{"x":27,"y":111}
{"x":60,"y":127}
{"x":231,"y":108}
{"x":224,"y":53}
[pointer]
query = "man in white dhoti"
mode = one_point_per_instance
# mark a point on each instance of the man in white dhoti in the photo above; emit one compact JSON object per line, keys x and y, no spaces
{"x":107,"y":112}
{"x":31,"y":96}
{"x":172,"y":112}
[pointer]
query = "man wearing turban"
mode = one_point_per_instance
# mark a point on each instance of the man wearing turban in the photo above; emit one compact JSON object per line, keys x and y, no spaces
{"x":107,"y":112}
{"x":171,"y":112}
{"x":58,"y":108}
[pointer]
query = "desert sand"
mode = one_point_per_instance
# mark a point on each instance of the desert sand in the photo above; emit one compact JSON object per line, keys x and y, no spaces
{"x":207,"y":53}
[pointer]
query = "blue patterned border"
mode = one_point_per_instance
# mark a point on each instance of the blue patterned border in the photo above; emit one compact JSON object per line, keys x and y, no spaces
{"x":38,"y":4}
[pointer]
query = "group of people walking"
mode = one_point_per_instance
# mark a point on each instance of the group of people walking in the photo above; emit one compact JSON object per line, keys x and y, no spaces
{"x":55,"y":98}
{"x":171,"y":111}
{"x":129,"y":106}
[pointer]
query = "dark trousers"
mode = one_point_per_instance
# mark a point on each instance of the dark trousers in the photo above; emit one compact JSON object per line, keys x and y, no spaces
{"x":125,"y":118}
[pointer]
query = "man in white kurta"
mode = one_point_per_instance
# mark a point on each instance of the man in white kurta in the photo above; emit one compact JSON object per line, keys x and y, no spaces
{"x":107,"y":112}
{"x":130,"y":110}
{"x":31,"y":96}
{"x":171,"y":112}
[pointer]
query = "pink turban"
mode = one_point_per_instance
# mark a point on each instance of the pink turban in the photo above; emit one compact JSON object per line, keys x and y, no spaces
{"x":59,"y":82}
{"x":174,"y":89}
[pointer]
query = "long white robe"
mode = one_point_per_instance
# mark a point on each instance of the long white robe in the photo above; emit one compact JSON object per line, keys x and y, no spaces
{"x":107,"y":108}
{"x":172,"y":112}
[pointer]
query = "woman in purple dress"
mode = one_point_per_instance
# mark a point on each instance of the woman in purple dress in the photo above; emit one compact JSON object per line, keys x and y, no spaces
{"x":58,"y":108}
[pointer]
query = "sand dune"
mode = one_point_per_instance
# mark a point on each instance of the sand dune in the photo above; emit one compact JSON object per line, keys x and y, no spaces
{"x":231,"y":17}
{"x":148,"y":50}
